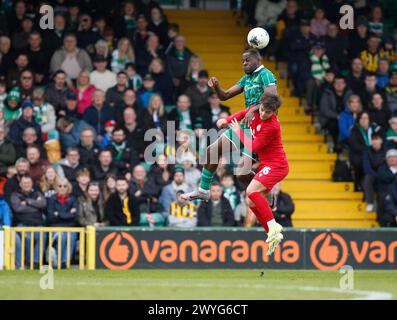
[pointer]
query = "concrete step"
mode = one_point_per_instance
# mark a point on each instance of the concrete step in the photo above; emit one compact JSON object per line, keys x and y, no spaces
{"x":294,"y":175}
{"x":364,"y":216}
{"x":329,"y":206}
{"x":312,"y":166}
{"x":299,"y":147}
{"x":316,"y":195}
{"x":317,"y":186}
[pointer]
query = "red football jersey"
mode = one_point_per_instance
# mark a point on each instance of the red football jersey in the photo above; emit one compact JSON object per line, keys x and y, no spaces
{"x":266,"y":138}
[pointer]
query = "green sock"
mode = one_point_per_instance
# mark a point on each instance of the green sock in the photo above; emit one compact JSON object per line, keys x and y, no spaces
{"x":206,"y":179}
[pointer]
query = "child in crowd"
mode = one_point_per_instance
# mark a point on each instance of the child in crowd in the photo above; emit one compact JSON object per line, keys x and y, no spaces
{"x":229,"y":190}
{"x":134,"y":79}
{"x":107,"y":137}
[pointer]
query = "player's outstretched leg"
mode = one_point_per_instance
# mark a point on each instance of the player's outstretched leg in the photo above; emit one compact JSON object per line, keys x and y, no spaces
{"x":259,"y":205}
{"x":208,"y":172}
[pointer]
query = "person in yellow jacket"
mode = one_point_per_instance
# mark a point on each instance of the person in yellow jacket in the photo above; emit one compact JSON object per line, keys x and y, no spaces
{"x":182,"y":213}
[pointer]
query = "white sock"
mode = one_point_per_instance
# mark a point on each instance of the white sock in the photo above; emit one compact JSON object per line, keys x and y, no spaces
{"x":271,"y":223}
{"x":202,"y":190}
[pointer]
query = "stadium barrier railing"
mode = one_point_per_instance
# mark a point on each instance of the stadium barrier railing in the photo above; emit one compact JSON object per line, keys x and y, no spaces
{"x":21,"y":244}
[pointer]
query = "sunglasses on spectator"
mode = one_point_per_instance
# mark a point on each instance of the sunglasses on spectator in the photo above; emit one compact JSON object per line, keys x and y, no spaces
{"x":62,"y":186}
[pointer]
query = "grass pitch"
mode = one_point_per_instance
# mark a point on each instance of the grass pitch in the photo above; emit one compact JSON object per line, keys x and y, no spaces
{"x":198,"y":284}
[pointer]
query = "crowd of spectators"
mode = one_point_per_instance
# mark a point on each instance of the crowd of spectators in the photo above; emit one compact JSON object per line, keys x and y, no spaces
{"x":75,"y":104}
{"x":347,"y":79}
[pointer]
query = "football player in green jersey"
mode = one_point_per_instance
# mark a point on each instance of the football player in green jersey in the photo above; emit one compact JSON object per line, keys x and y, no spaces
{"x":254,"y":83}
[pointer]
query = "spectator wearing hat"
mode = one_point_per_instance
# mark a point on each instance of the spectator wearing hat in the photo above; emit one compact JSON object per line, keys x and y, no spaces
{"x":168,"y":193}
{"x":359,"y":38}
{"x":387,"y":175}
{"x":101,"y":77}
{"x":182,"y":213}
{"x":26,"y":120}
{"x":147,"y":91}
{"x":110,"y":125}
{"x":70,"y":110}
{"x":332,"y":103}
{"x":373,"y":158}
{"x":86,"y":35}
{"x":44,"y":113}
{"x":12,"y":106}
{"x":200,"y":91}
{"x":192,"y":174}
{"x":114,"y":95}
{"x":217,"y":212}
{"x":70,"y":58}
{"x":391,"y":92}
{"x":98,"y":113}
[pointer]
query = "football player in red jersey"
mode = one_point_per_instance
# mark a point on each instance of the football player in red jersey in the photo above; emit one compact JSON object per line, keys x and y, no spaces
{"x":267,"y":144}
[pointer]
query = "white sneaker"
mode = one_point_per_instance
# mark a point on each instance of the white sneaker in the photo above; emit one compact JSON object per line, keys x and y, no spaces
{"x":274,"y":244}
{"x":370,"y":207}
{"x":198,"y":194}
{"x":273,"y":232}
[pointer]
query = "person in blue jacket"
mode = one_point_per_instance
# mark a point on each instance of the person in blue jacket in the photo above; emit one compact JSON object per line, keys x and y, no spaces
{"x":348,"y":116}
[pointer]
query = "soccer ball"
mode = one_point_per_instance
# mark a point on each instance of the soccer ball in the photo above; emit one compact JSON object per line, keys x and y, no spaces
{"x":258,"y":38}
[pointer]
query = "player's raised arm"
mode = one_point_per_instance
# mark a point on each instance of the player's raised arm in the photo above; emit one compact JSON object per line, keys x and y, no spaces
{"x":222,"y":94}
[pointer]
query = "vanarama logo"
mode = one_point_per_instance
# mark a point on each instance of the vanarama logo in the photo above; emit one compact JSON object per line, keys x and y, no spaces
{"x":328,"y":251}
{"x":120,"y":250}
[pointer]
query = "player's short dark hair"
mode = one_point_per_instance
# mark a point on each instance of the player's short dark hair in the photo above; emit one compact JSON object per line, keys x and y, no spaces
{"x":270,"y":101}
{"x":253,"y":52}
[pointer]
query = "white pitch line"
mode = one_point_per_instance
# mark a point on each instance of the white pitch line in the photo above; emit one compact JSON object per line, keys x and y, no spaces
{"x":189,"y":283}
